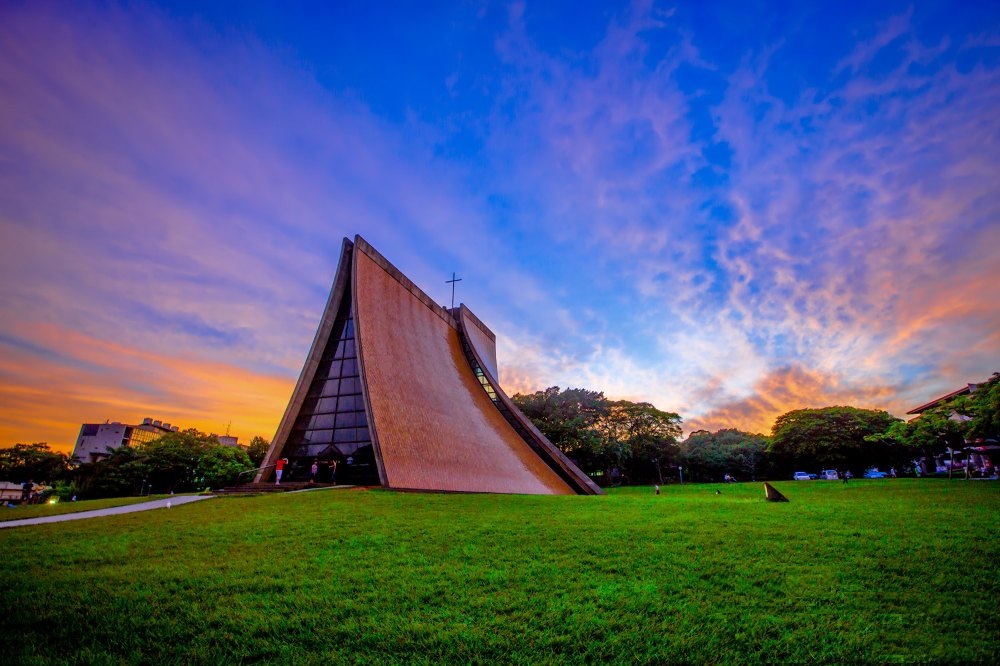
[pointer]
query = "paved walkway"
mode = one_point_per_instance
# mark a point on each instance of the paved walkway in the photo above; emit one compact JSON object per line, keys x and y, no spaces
{"x":114,"y":511}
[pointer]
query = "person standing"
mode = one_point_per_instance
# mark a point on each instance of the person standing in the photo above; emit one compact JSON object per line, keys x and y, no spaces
{"x":333,"y":471}
{"x":313,"y":471}
{"x":279,"y":467}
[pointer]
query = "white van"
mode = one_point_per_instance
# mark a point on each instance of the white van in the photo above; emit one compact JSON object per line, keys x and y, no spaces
{"x":829,"y":475}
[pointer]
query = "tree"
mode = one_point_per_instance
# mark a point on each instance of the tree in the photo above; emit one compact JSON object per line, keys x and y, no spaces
{"x":122,"y":473}
{"x":33,"y":462}
{"x":568,"y":419}
{"x":641,"y":438}
{"x":171,"y":462}
{"x":831,"y":437}
{"x":933,"y":431}
{"x":982,"y":407}
{"x":177,"y":461}
{"x":598,"y":434}
{"x":950,"y":425}
{"x":221,"y":465}
{"x":257,"y":450}
{"x":710,"y":456}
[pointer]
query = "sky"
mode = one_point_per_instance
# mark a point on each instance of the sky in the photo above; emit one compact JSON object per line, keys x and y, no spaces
{"x":729,"y":210}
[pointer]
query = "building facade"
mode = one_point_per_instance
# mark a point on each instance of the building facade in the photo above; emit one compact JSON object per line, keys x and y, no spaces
{"x":97,"y":440}
{"x":979,"y":456}
{"x":227,"y":440}
{"x":400,"y":392}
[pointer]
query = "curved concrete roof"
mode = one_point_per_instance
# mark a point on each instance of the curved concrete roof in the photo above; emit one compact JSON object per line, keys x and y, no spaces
{"x":435,"y":426}
{"x":483,"y":349}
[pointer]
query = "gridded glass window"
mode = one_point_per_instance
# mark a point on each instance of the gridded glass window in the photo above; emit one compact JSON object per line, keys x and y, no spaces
{"x":485,"y":383}
{"x":332,"y":426}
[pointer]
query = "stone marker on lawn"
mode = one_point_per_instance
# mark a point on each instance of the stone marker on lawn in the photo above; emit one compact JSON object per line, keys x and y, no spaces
{"x":773,"y":495}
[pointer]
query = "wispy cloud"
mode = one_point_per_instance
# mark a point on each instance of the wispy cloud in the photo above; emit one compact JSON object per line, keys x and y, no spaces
{"x":861,"y":237}
{"x":876,"y":202}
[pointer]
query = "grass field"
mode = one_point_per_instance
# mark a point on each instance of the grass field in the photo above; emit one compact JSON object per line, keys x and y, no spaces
{"x":875,"y":571}
{"x":60,"y":508}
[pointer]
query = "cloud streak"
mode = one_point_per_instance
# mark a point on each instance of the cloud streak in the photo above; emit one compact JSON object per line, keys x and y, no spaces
{"x":860,"y":241}
{"x":62,"y":378}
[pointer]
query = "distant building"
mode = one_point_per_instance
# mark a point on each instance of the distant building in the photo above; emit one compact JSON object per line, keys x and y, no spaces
{"x":965,"y":390}
{"x":226,"y":440}
{"x":97,"y":440}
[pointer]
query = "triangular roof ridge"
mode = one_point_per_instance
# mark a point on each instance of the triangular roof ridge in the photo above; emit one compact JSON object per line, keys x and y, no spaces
{"x":408,"y":284}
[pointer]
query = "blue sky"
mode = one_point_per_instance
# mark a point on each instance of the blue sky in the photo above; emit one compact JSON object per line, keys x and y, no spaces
{"x":729,"y":210}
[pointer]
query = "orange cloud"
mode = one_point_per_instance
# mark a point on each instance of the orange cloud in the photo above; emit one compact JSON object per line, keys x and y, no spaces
{"x":62,"y":378}
{"x":790,"y":388}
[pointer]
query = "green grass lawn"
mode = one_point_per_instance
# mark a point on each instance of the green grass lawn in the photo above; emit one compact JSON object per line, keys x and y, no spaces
{"x":875,"y":571}
{"x":42,"y":510}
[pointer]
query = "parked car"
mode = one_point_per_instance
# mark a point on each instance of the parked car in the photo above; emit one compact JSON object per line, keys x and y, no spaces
{"x":829,"y":475}
{"x":875,"y":474}
{"x":801,"y":476}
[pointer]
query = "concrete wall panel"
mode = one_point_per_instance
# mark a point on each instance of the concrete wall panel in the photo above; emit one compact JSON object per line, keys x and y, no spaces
{"x":436,"y":428}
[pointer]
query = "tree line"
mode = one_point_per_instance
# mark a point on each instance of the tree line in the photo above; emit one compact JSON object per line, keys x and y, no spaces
{"x":181,"y":461}
{"x":623,"y":441}
{"x":613,"y":441}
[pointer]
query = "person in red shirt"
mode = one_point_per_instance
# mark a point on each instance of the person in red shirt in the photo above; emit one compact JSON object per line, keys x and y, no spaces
{"x":279,"y":467}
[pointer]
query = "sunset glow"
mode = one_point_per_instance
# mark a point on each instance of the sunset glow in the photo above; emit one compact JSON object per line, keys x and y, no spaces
{"x":729,"y":215}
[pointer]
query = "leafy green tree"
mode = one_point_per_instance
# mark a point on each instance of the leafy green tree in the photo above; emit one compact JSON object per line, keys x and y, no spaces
{"x":33,"y":462}
{"x":171,"y":462}
{"x":930,"y":433}
{"x":178,"y":461}
{"x":982,"y":407}
{"x":710,"y":456}
{"x":257,"y":450}
{"x":598,"y":434}
{"x":121,"y":474}
{"x":219,"y":466}
{"x":569,"y":419}
{"x":640,"y":438}
{"x":831,"y":437}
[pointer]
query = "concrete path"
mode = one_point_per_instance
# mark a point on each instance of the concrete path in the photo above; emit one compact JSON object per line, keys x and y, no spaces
{"x":114,"y":511}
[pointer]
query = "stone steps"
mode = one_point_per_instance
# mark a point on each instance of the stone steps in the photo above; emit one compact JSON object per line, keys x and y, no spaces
{"x":262,"y":488}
